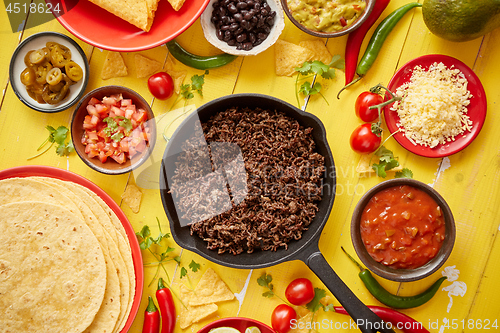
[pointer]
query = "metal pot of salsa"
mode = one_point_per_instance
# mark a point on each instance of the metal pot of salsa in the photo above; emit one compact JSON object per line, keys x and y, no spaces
{"x":403,"y":230}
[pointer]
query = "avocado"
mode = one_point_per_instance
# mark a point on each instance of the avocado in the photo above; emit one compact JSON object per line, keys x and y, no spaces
{"x":461,"y":20}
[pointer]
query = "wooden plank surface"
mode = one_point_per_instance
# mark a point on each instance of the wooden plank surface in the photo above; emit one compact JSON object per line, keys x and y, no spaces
{"x":468,"y":180}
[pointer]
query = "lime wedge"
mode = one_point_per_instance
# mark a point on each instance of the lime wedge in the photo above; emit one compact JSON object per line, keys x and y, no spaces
{"x":224,"y":330}
{"x":252,"y":329}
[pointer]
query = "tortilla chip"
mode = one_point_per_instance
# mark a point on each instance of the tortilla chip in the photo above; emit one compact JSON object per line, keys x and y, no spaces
{"x":145,"y":67}
{"x":364,"y":165}
{"x":132,"y":197}
{"x":305,"y":324}
{"x":289,"y":56}
{"x":210,"y":289}
{"x":319,"y":49}
{"x":176,"y":4}
{"x":136,"y":12}
{"x":193,"y":314}
{"x":114,"y":66}
{"x":177,"y":76}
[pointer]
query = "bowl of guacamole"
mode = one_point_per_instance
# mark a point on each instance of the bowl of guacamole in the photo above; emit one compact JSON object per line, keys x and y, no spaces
{"x":327,"y":18}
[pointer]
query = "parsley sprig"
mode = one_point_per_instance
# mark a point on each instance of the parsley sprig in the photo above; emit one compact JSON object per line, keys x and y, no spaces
{"x":146,"y":242}
{"x":311,"y":69}
{"x":387,"y":161}
{"x":59,"y":137}
{"x":188,"y":89}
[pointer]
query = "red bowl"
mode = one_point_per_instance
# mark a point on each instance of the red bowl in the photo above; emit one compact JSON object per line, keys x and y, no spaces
{"x":99,"y":28}
{"x":476,"y":108}
{"x":240,"y":323}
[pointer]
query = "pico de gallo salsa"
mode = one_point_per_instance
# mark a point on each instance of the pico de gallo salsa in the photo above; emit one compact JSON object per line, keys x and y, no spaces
{"x":115,"y":128}
{"x":402,"y":227}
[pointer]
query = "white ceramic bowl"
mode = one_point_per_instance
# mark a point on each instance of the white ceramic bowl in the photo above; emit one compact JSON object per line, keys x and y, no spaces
{"x":210,"y":35}
{"x":17,"y":66}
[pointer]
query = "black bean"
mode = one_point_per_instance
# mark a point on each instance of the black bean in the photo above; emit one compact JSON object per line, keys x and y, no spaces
{"x":250,"y":3}
{"x":234,"y":27}
{"x":247,"y":46}
{"x":239,"y":31}
{"x":231,"y":42}
{"x":261,"y":35}
{"x":224,"y":28}
{"x":238,"y":17}
{"x":220,"y":34}
{"x":225,"y":2}
{"x":257,"y":6}
{"x":270,"y":21}
{"x":264,"y":12}
{"x":252,"y":38}
{"x":254,"y":20}
{"x":227,"y":35}
{"x":241,"y":38}
{"x":245,"y":24}
{"x":232,"y":8}
{"x":241,"y":5}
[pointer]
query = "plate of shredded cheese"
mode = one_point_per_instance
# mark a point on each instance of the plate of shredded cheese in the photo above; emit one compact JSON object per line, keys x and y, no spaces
{"x":442,"y":107}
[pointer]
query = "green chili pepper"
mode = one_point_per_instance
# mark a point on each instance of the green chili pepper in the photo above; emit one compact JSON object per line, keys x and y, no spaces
{"x":377,"y":40}
{"x":196,"y":61}
{"x":394,"y":301}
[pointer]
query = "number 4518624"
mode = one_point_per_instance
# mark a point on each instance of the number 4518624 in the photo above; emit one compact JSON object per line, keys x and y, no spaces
{"x":16,"y":8}
{"x":471,"y":324}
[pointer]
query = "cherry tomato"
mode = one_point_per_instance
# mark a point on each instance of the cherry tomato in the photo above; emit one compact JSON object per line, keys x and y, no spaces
{"x":363,"y":103}
{"x":363,"y":140}
{"x":161,"y":85}
{"x":282,"y":317}
{"x":300,"y":291}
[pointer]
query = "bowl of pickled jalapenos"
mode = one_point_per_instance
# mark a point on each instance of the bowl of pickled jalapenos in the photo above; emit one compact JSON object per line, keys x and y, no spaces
{"x":49,"y":72}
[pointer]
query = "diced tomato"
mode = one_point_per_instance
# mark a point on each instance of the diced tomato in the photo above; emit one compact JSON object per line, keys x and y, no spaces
{"x":119,"y":158}
{"x":117,"y":111}
{"x":343,"y":22}
{"x":102,"y":110}
{"x":92,"y":137}
{"x":124,"y":145}
{"x":129,"y":113}
{"x":87,"y":123}
{"x":109,"y":101}
{"x":126,"y":102}
{"x":102,"y":156}
{"x":94,"y":101}
{"x":92,"y":110}
{"x":140,"y":116}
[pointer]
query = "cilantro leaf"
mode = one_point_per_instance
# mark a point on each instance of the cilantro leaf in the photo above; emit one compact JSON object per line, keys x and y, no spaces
{"x":405,"y":173}
{"x":145,"y":232}
{"x":65,"y":149}
{"x":197,"y":82}
{"x":337,"y":62}
{"x":183,"y":272}
{"x":117,"y":136}
{"x":307,"y":89}
{"x":315,"y":304}
{"x":194,"y":266}
{"x":384,"y":154}
{"x":60,"y":135}
{"x":380,"y":169}
{"x":125,"y":123}
{"x":265,"y":281}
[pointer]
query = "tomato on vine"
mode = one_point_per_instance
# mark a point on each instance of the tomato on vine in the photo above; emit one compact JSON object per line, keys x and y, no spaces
{"x":363,"y":103}
{"x":363,"y":140}
{"x":281,"y":318}
{"x":300,"y":291}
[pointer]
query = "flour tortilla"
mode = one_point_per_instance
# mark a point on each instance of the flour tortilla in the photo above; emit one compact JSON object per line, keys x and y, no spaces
{"x":53,"y":273}
{"x":105,"y":225}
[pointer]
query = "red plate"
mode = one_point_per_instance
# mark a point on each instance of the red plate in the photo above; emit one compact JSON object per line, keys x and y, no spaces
{"x":46,"y":171}
{"x":240,"y":323}
{"x":476,"y":108}
{"x":102,"y":29}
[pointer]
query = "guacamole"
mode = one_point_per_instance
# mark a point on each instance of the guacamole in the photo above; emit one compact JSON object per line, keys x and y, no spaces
{"x":326,"y":15}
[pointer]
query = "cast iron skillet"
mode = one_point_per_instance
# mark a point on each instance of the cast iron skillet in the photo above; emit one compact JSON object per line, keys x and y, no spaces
{"x":305,"y":249}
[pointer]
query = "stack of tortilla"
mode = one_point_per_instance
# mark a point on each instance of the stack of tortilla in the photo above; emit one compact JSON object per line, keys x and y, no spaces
{"x":65,"y":259}
{"x":140,"y":13}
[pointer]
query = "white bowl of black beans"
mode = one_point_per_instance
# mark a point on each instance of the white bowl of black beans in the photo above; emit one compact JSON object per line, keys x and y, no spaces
{"x":243,"y":27}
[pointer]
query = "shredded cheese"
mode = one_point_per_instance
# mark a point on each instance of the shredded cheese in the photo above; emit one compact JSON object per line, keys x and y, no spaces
{"x":433,"y":108}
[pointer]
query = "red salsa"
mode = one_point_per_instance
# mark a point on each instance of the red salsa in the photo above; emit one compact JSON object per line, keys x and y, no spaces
{"x":402,"y":227}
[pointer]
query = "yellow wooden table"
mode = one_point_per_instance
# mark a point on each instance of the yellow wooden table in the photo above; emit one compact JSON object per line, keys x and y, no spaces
{"x":468,"y":180}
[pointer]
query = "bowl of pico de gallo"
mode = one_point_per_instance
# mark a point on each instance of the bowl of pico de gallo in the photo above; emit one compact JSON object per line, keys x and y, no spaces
{"x":113,"y":130}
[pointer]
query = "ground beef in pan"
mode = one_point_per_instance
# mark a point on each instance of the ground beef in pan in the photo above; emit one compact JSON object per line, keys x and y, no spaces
{"x":283,"y":174}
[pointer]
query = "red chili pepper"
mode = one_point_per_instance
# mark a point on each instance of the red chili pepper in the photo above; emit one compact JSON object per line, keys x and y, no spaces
{"x":356,"y":37}
{"x":398,"y":320}
{"x":151,"y":318}
{"x":167,"y":307}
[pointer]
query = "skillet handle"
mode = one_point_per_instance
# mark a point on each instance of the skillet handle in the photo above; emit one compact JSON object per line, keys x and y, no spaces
{"x":366,"y":320}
